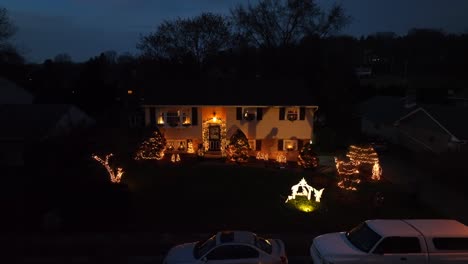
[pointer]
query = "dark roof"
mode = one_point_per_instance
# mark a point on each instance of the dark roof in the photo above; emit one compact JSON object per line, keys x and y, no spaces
{"x":454,"y":119}
{"x":385,"y":109}
{"x":229,"y":92}
{"x":29,"y":121}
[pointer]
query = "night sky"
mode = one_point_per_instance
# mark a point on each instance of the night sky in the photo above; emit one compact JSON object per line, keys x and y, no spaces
{"x":84,"y":28}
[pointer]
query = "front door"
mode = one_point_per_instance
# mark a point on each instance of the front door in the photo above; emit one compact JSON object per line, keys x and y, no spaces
{"x":214,"y":138}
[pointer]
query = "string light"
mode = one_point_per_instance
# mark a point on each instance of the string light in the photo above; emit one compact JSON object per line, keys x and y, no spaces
{"x":347,"y":171}
{"x":362,"y":155}
{"x":206,"y":133}
{"x":281,"y":158}
{"x":153,"y":148}
{"x":175,"y":158}
{"x":376,"y":171}
{"x":190,"y":147}
{"x":262,"y":156}
{"x":115,"y":177}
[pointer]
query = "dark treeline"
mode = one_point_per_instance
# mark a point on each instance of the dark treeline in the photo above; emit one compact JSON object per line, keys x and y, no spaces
{"x":275,"y":39}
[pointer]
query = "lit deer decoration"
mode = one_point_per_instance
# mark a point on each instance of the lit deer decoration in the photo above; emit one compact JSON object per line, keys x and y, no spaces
{"x":116,"y":176}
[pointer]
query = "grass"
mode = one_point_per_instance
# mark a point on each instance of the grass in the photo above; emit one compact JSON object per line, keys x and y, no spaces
{"x":211,"y":196}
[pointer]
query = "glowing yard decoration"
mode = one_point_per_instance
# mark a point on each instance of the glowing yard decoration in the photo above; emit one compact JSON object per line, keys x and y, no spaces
{"x":175,"y":158}
{"x":153,"y":148}
{"x":376,"y":171}
{"x":115,"y":177}
{"x":306,"y":190}
{"x":348,"y":172}
{"x":190,"y":147}
{"x":362,"y":155}
{"x":281,"y":158}
{"x":262,"y":156}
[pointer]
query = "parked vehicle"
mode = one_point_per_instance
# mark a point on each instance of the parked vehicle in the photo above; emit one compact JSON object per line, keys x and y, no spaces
{"x":422,"y":241}
{"x":230,"y":247}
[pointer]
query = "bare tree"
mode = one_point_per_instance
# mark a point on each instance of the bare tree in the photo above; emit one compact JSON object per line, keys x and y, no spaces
{"x":199,"y":37}
{"x":7,"y":29}
{"x":274,"y":23}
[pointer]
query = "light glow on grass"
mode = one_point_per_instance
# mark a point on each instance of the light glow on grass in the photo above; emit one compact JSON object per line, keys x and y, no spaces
{"x":303,"y":204}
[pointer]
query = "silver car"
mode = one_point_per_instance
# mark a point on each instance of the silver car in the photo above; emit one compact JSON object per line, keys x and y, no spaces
{"x":229,"y":247}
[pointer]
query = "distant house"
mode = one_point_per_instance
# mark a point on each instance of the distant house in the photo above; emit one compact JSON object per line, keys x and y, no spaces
{"x":274,"y":123}
{"x":24,"y":124}
{"x":418,"y":127}
{"x":434,"y":128}
{"x":10,"y":93}
{"x":379,"y":114}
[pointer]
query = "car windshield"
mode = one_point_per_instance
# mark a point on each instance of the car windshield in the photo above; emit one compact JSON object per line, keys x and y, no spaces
{"x":363,"y":237}
{"x":203,"y":246}
{"x":263,"y":244}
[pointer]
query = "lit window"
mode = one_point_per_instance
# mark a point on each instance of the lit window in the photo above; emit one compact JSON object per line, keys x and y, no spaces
{"x":290,"y":144}
{"x":292,"y":115}
{"x":249,"y":114}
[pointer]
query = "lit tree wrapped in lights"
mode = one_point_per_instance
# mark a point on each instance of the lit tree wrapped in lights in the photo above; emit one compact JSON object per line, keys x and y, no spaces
{"x":365,"y":157}
{"x":238,"y":148}
{"x":152,"y":148}
{"x":348,"y":174}
{"x":116,"y":176}
{"x":307,"y":158}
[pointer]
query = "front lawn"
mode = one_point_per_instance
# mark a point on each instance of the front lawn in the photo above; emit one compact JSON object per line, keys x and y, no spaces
{"x":207,"y":196}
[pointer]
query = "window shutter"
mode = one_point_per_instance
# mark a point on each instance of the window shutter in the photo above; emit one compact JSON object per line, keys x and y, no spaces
{"x":152,"y":116}
{"x":258,"y":144}
{"x":300,"y":144}
{"x":194,"y":116}
{"x":282,"y":112}
{"x":302,"y":113}
{"x":238,"y":113}
{"x":280,"y":145}
{"x":259,"y":113}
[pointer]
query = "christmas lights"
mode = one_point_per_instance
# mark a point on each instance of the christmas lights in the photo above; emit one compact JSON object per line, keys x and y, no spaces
{"x":348,"y":173}
{"x":153,"y":148}
{"x":206,"y":133}
{"x":362,"y":155}
{"x":115,"y":177}
{"x":376,"y":171}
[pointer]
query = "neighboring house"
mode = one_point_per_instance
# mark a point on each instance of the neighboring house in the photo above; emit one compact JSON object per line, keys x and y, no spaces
{"x":208,"y":122}
{"x":419,"y":127}
{"x":379,"y":113}
{"x":434,"y":128}
{"x":27,"y":124}
{"x":10,"y":93}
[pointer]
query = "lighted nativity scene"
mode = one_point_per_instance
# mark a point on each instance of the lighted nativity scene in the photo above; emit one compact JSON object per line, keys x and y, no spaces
{"x":301,"y":196}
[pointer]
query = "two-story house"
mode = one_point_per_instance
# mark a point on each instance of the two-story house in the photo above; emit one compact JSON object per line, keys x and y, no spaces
{"x":273,"y":125}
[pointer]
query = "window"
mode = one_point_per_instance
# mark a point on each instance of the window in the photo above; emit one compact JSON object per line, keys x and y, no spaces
{"x":363,"y":237}
{"x":263,"y":244}
{"x":249,"y":113}
{"x":396,"y":245}
{"x":290,"y":144}
{"x":258,"y":144}
{"x":202,"y":247}
{"x":292,"y":114}
{"x":451,"y":243}
{"x":252,"y":143}
{"x":175,"y":117}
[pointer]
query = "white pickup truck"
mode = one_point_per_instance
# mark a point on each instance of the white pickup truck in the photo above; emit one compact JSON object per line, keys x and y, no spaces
{"x":421,"y":241}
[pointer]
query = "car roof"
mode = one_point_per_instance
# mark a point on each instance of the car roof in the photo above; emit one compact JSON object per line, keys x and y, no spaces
{"x":440,"y":227}
{"x":416,"y":227}
{"x":392,"y":227}
{"x":235,"y":236}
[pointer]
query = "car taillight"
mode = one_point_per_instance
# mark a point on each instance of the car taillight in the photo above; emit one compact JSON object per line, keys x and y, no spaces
{"x":284,"y":260}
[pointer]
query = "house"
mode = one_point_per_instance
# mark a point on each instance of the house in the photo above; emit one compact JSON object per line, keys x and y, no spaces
{"x":379,"y":114}
{"x":434,"y":128}
{"x":418,"y":127}
{"x":13,"y":94}
{"x":274,"y":123}
{"x":24,"y":124}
